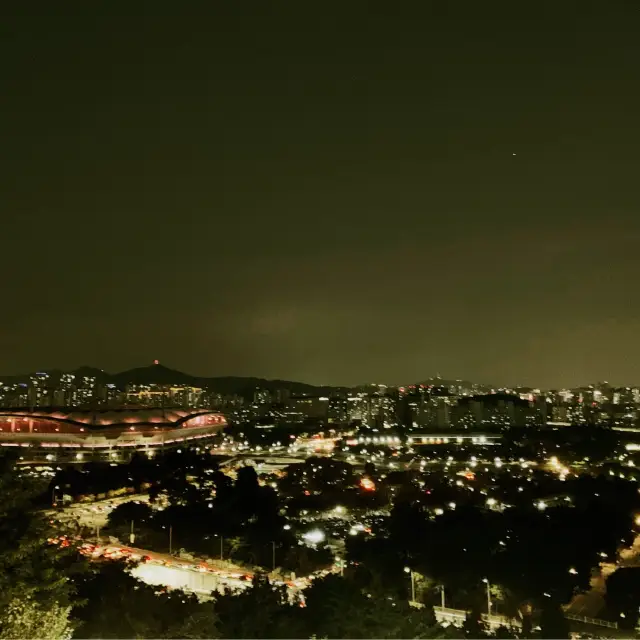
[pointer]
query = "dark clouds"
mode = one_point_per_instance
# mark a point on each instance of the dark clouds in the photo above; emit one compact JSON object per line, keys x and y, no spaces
{"x":324,"y":193}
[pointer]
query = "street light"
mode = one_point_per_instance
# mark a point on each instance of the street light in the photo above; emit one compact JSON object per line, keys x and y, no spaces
{"x":221,"y":544}
{"x":413,"y":583}
{"x":486,"y":581}
{"x":315,"y":536}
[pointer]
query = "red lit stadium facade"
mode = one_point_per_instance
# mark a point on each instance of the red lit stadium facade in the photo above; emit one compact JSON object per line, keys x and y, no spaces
{"x":100,"y":434}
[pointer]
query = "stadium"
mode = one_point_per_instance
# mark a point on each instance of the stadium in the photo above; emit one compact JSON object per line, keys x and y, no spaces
{"x":59,"y":434}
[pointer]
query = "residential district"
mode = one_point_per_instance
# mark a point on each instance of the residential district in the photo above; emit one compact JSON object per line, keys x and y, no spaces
{"x":154,"y":504}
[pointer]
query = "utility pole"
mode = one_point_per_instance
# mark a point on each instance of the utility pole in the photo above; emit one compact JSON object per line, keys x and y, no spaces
{"x":273,"y":544}
{"x":442,"y":596}
{"x":170,"y":538}
{"x":132,"y":536}
{"x":221,"y":547}
{"x":413,"y":583}
{"x":486,"y":581}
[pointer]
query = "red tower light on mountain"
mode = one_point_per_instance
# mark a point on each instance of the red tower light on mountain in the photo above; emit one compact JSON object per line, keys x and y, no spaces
{"x":156,"y":362}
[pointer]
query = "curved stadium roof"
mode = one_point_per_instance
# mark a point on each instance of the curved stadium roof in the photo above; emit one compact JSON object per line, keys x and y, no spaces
{"x":111,"y":417}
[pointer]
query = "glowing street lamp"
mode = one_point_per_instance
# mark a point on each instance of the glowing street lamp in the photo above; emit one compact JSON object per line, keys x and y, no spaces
{"x":315,"y":536}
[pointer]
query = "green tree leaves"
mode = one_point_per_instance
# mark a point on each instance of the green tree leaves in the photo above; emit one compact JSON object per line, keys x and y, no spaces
{"x":25,"y":618}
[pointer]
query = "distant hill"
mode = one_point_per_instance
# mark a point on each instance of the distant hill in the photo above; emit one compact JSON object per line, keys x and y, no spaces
{"x":244,"y":386}
{"x":91,"y":372}
{"x":159,"y":374}
{"x":56,"y":374}
{"x":153,"y":374}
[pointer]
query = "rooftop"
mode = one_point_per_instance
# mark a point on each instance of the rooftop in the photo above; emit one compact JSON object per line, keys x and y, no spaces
{"x":110,"y":417}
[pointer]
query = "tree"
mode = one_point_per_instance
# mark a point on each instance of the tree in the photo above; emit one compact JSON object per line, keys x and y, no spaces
{"x":334,"y":608}
{"x":262,"y":611}
{"x":474,"y":627}
{"x":337,"y":608}
{"x":623,"y":595}
{"x":141,"y":515}
{"x":304,"y":560}
{"x":553,"y":624}
{"x":379,"y":565}
{"x":247,"y":482}
{"x":408,"y":525}
{"x":25,"y":618}
{"x":504,"y":633}
{"x":31,"y":570}
{"x":117,"y":605}
{"x":317,"y":474}
{"x":185,"y":477}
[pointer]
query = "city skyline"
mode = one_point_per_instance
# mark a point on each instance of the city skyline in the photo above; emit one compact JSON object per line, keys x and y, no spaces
{"x":329,"y":194}
{"x":424,"y":380}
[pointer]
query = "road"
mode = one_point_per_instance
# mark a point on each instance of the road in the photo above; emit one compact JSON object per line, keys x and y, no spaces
{"x":592,"y":603}
{"x":196,"y":575}
{"x":175,"y":572}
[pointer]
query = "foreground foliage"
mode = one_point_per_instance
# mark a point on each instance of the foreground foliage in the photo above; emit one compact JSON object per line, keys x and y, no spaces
{"x":36,"y":585}
{"x":27,"y":619}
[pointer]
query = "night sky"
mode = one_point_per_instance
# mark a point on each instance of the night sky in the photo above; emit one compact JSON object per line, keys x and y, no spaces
{"x":333,"y":192}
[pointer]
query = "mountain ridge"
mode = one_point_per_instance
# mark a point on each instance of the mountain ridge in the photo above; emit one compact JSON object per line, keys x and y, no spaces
{"x":160,"y":374}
